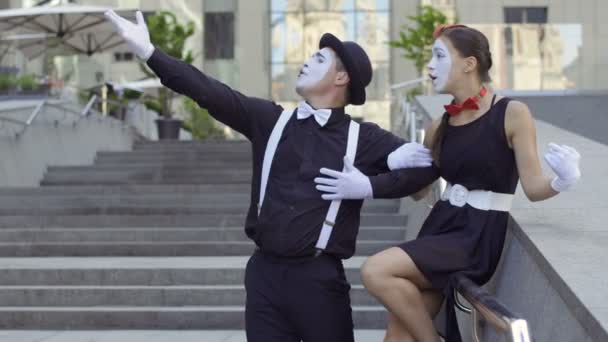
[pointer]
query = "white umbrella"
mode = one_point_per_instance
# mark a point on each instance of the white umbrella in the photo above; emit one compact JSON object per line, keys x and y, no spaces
{"x":78,"y":29}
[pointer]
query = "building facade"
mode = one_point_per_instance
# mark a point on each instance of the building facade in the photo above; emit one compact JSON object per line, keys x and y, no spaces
{"x":257,"y":46}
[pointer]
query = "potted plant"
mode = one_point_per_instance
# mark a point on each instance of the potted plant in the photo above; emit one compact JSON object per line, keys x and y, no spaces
{"x":199,"y":123}
{"x":118,"y":103}
{"x":416,"y":41}
{"x":168,"y":35}
{"x":28,"y":85}
{"x":7,"y":83}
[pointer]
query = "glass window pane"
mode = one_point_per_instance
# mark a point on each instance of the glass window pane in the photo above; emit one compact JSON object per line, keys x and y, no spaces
{"x":315,"y":5}
{"x":219,"y":35}
{"x":372,"y":5}
{"x":373,"y":35}
{"x":318,"y":23}
{"x":378,"y":88}
{"x":284,"y":81}
{"x":536,"y":15}
{"x":286,"y":42}
{"x":514,"y":15}
{"x":286,"y":5}
{"x":341,"y":5}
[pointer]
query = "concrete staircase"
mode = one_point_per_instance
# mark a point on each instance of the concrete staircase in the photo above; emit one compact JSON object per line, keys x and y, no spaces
{"x":148,"y":239}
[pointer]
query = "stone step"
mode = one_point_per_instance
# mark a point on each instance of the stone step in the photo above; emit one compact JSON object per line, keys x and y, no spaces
{"x":184,"y":220}
{"x":176,"y":295}
{"x":162,"y":234}
{"x":153,"y":248}
{"x":193,"y":145}
{"x":185,"y":153}
{"x":122,"y":190}
{"x":136,"y":271}
{"x":94,"y":208}
{"x":146,"y":181}
{"x":134,"y":317}
{"x":152,"y":174}
{"x":163,"y":160}
{"x":187,"y":200}
{"x":180,"y":143}
{"x":147,"y":166}
{"x":141,"y":335}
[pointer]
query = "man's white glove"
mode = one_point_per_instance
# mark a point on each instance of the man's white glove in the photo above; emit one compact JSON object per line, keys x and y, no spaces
{"x":350,"y":184}
{"x":136,"y":35}
{"x":564,"y":160}
{"x":409,"y":155}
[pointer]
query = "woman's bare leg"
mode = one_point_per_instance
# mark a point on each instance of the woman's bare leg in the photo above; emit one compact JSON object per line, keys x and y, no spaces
{"x":396,"y":331}
{"x":393,"y":278}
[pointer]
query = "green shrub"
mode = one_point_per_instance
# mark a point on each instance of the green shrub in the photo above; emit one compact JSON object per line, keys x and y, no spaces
{"x":199,"y":123}
{"x":7,"y":82}
{"x":28,"y":82}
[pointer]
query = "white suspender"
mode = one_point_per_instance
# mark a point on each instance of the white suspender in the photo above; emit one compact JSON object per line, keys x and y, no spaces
{"x":271,"y":147}
{"x":332,"y":213}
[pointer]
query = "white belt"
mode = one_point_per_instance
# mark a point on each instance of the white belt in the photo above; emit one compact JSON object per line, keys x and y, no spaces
{"x":458,"y":196}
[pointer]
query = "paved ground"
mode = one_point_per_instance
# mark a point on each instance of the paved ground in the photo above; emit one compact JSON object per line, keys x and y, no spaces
{"x":149,"y":336}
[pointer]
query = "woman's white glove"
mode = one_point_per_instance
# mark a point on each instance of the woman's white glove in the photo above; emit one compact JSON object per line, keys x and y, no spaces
{"x":409,"y":155}
{"x":136,"y":35}
{"x":350,"y":184}
{"x":564,"y":160}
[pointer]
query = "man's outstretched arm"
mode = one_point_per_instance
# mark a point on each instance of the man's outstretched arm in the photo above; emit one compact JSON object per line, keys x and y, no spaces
{"x":403,"y":182}
{"x":223,"y":103}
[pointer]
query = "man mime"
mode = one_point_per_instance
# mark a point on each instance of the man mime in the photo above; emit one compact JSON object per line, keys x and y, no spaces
{"x":295,"y":282}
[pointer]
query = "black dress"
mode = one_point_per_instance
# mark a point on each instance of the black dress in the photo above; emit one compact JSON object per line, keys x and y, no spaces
{"x":464,"y":240}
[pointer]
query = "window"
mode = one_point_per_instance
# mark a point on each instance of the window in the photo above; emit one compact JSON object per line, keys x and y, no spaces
{"x":219,"y":35}
{"x":123,"y":56}
{"x":296,"y":27}
{"x":525,"y":15}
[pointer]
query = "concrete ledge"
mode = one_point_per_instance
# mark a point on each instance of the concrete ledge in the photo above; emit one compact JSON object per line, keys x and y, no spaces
{"x":55,"y":138}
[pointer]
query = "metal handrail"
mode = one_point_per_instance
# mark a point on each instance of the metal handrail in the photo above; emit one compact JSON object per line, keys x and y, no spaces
{"x":409,"y":118}
{"x":38,"y":109}
{"x":493,"y":311}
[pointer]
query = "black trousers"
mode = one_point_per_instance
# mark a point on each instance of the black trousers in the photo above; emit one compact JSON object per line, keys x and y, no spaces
{"x":293,"y":300}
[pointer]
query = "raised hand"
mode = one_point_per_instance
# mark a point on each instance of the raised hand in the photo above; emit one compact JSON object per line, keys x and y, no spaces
{"x":350,"y":184}
{"x":564,"y":161}
{"x":409,"y":155}
{"x":136,"y":35}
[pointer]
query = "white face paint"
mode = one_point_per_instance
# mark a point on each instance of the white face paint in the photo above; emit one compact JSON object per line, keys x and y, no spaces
{"x":315,"y":69}
{"x":440,"y":65}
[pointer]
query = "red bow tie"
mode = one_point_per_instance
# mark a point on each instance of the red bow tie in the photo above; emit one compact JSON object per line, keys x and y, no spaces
{"x":470,"y":103}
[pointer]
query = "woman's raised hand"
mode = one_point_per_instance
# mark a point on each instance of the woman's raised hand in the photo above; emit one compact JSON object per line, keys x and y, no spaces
{"x":564,"y":160}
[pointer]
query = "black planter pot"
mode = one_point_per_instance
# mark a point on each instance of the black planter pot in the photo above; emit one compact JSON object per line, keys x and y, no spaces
{"x":168,"y":129}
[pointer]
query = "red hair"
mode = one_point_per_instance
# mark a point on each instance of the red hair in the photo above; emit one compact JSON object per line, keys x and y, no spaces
{"x":442,"y":27}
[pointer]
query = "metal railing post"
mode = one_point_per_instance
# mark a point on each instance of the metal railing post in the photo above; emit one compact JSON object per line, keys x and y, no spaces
{"x":87,"y":107}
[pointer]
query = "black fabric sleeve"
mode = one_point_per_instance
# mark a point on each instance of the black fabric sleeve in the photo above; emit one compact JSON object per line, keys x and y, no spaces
{"x":403,"y":182}
{"x":376,"y":144}
{"x":226,"y":105}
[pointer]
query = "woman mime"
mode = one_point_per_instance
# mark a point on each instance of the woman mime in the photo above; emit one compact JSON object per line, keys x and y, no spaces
{"x":482,"y":146}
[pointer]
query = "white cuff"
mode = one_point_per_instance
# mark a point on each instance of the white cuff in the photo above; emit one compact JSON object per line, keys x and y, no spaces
{"x":391,"y":160}
{"x":561,"y":185}
{"x":148,"y":53}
